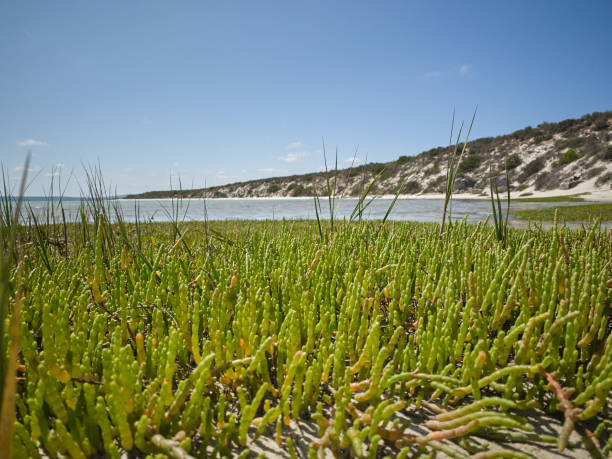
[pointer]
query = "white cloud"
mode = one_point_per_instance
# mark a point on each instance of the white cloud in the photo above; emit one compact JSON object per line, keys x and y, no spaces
{"x":272,"y":171}
{"x":434,"y":74}
{"x":52,"y":174}
{"x":59,"y":165}
{"x":293,"y":157}
{"x":462,"y":70}
{"x":32,"y":143}
{"x":293,"y":145}
{"x":352,"y":160}
{"x":22,"y":168}
{"x":221,"y":175}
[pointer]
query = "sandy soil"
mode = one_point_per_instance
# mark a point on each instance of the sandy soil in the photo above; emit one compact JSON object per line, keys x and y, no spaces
{"x":590,"y":194}
{"x":305,"y":432}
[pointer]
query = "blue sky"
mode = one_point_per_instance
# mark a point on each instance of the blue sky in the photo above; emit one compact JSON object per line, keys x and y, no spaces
{"x":216,"y":92}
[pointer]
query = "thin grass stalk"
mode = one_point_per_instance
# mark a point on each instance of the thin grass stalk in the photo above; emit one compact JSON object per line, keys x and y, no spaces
{"x":120,"y":220}
{"x":390,"y":208}
{"x":449,"y":174}
{"x":6,"y":210}
{"x":452,"y":168}
{"x":500,"y":221}
{"x":493,"y":193}
{"x":331,"y":191}
{"x":363,"y":179}
{"x":359,"y":207}
{"x":8,"y":389}
{"x":507,"y":198}
{"x":317,"y":206}
{"x":42,"y":238}
{"x":175,"y":215}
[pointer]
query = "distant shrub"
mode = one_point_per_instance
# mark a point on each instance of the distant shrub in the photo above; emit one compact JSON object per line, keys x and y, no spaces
{"x":605,"y":179}
{"x":594,"y":172}
{"x":607,"y":156}
{"x":464,"y":184}
{"x":219,"y":194}
{"x":436,"y":185}
{"x":572,"y":142}
{"x":545,"y":181}
{"x":569,"y":156}
{"x":521,"y":187}
{"x":524,"y":134}
{"x":296,"y":190}
{"x":404,"y":159}
{"x":377,"y":168}
{"x":513,"y":161}
{"x":531,"y":168}
{"x":600,"y":123}
{"x":591,"y":147}
{"x":273,"y":188}
{"x":542,"y":138}
{"x":433,"y":170}
{"x":469,"y":163}
{"x":412,"y":187}
{"x":434,"y":152}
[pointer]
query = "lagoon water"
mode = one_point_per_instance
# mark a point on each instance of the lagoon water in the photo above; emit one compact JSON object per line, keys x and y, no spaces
{"x":159,"y":210}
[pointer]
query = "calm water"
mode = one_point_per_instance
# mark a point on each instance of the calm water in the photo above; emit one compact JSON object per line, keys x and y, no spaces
{"x":422,"y":210}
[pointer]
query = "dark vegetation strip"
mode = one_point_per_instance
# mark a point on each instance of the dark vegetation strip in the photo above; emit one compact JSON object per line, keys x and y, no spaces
{"x":586,"y":213}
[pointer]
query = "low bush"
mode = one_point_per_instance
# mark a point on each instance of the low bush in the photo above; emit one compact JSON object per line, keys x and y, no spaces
{"x":513,"y":161}
{"x":436,"y":185}
{"x":605,"y":179}
{"x":594,"y":172}
{"x":404,"y":159}
{"x":470,"y":163}
{"x":297,"y":190}
{"x":433,"y":170}
{"x":546,"y":181}
{"x":532,"y":167}
{"x":412,"y":187}
{"x":568,"y":157}
{"x":571,"y":142}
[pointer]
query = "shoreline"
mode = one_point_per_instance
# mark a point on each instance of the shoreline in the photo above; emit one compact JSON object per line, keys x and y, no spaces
{"x":589,"y":195}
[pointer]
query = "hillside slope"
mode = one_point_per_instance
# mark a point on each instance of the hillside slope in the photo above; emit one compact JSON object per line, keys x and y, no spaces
{"x":551,"y":156}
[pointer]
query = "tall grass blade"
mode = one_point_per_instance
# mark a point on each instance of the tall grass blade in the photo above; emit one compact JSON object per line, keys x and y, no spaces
{"x":317,"y":206}
{"x":399,"y":191}
{"x":359,"y":208}
{"x":453,"y":165}
{"x":8,"y":365}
